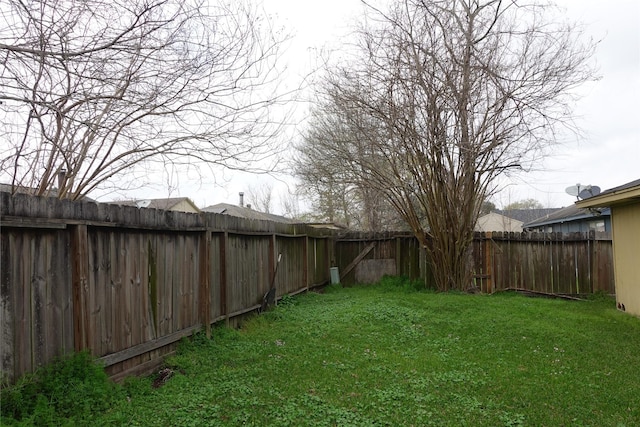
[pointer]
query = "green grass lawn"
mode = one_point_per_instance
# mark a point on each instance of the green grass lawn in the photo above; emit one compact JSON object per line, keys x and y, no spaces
{"x":388,"y":355}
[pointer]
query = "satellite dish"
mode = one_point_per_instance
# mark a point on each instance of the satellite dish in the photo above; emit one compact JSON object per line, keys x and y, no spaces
{"x":574,"y":190}
{"x":143,"y":203}
{"x":589,"y":191}
{"x":583,"y":191}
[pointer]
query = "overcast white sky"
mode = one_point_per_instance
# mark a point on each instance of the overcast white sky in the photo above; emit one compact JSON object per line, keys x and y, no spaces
{"x":607,"y":155}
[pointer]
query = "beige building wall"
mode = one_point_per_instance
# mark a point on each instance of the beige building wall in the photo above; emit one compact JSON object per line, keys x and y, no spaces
{"x":626,"y":252}
{"x":496,"y":222}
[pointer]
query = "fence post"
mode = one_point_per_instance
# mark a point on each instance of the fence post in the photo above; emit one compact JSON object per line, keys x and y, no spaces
{"x":488,"y":261}
{"x":205,"y":282}
{"x":305,"y":261}
{"x":399,"y":269}
{"x":224,"y":244}
{"x":80,"y":276}
{"x":272,"y":264}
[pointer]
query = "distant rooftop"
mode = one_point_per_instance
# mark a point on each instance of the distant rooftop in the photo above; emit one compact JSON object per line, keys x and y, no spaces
{"x":569,"y":213}
{"x":245,"y":212}
{"x":164,"y":204}
{"x":527,"y":215}
{"x":20,"y":189}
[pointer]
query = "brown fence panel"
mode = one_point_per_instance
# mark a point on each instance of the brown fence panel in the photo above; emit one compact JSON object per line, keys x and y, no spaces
{"x":292,"y":269}
{"x":602,"y":266}
{"x":247,"y":271}
{"x":318,"y":260}
{"x":217,"y":304}
{"x":408,"y":257}
{"x":36,"y":307}
{"x":569,"y":263}
{"x":366,"y":248}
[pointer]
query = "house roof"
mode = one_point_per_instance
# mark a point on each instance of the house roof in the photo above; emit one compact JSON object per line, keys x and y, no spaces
{"x":566,"y":214}
{"x":243,"y":212}
{"x":613,"y":196}
{"x":164,"y":204}
{"x":526,"y":215}
{"x":327,"y":225}
{"x":20,"y":189}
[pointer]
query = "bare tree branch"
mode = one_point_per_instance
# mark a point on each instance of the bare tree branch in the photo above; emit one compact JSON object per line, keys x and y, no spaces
{"x":101,"y":88}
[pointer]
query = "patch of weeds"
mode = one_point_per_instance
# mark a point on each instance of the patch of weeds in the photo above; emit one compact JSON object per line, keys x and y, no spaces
{"x":333,"y":288}
{"x":512,"y":420}
{"x":286,"y":301}
{"x":400,"y":283}
{"x":602,"y":297}
{"x":72,"y":388}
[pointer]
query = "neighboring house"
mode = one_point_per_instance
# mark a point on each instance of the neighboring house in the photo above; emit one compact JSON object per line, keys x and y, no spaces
{"x":247,"y":212}
{"x":493,"y":221}
{"x":509,"y":220}
{"x":624,"y":202}
{"x":573,"y":219}
{"x":179,"y":204}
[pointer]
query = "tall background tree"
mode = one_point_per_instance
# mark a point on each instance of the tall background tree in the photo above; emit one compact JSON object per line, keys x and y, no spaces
{"x":260,"y":197}
{"x":326,"y":176}
{"x":95,"y":90}
{"x":524,"y":204}
{"x":437,"y":99}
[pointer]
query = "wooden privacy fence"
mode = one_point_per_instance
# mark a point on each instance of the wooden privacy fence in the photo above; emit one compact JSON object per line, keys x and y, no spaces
{"x":128,"y":283}
{"x":563,"y":263}
{"x":559,"y":263}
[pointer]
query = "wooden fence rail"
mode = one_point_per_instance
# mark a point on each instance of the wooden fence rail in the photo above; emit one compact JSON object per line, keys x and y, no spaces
{"x":128,"y":283}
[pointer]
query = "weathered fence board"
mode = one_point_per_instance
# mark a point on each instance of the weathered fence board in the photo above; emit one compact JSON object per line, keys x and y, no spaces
{"x":319,"y":256}
{"x":290,"y":275}
{"x":36,"y":298}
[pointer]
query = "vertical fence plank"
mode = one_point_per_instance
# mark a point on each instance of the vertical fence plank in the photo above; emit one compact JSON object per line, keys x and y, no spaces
{"x":204,"y":293}
{"x":272,"y":263}
{"x":224,"y":294}
{"x":8,"y":304}
{"x":305,"y":262}
{"x":80,"y":277}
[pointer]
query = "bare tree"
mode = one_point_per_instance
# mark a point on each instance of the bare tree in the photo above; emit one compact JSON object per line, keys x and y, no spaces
{"x":96,"y":89}
{"x":322,"y":181}
{"x":441,"y":97}
{"x":524,"y":204}
{"x":261,"y":197}
{"x":290,"y":205}
{"x":324,"y":167}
